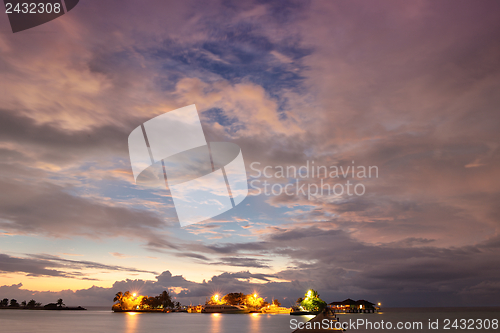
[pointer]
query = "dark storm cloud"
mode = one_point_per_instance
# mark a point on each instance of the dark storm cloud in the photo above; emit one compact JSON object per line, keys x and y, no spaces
{"x":233,"y":248}
{"x":52,"y":143}
{"x":50,"y":210}
{"x":243,"y":262}
{"x":333,"y":262}
{"x":48,"y":265}
{"x":85,"y":264}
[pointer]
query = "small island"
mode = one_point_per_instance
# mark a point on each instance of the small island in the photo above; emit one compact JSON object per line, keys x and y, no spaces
{"x":131,"y":302}
{"x":34,"y":305}
{"x":237,"y":302}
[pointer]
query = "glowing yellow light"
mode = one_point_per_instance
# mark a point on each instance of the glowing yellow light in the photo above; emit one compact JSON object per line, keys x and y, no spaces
{"x":216,"y":297}
{"x":134,"y":294}
{"x":131,"y":313}
{"x":309,"y":293}
{"x":255,"y":295}
{"x":379,"y":304}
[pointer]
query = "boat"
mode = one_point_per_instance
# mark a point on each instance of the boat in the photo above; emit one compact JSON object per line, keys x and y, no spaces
{"x":225,"y":309}
{"x":275,"y":309}
{"x":298,"y":311}
{"x":195,"y":309}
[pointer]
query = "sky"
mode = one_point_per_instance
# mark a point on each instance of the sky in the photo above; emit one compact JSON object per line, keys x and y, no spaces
{"x":407,"y":88}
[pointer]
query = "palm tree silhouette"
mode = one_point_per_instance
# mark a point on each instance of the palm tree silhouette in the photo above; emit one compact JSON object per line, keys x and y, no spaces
{"x":60,"y":302}
{"x":118,"y":298}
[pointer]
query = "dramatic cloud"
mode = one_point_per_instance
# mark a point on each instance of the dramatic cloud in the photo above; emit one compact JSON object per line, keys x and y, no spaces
{"x":415,"y":95}
{"x":48,"y":265}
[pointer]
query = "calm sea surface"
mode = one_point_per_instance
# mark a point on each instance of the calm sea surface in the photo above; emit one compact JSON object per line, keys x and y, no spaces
{"x":95,"y":320}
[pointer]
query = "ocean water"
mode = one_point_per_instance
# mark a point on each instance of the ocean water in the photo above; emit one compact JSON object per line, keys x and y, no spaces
{"x":99,"y":320}
{"x":105,"y":321}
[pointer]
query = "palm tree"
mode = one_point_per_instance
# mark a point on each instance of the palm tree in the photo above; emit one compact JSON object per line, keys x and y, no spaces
{"x":60,"y":302}
{"x":118,"y":298}
{"x":165,"y":299}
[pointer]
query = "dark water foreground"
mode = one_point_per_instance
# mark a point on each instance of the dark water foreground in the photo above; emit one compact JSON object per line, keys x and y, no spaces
{"x":92,"y":321}
{"x":100,"y":321}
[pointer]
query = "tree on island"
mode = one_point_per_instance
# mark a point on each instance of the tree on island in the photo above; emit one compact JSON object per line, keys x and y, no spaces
{"x":151,"y":303}
{"x":13,"y":303}
{"x":4,"y":303}
{"x":214,"y":300}
{"x":255,"y":302}
{"x":127,"y":301}
{"x":166,"y":300}
{"x":312,"y":302}
{"x":234,"y":299}
{"x":276,"y":303}
{"x":118,"y":298}
{"x":60,"y":302}
{"x":33,"y":304}
{"x":250,"y":300}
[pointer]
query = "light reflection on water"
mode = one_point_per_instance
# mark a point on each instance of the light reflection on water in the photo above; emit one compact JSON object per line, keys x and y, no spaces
{"x":255,"y":322}
{"x":131,"y":319}
{"x":216,"y":317}
{"x":93,"y":321}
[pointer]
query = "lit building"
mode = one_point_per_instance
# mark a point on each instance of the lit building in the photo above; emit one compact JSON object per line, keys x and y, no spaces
{"x":350,"y":305}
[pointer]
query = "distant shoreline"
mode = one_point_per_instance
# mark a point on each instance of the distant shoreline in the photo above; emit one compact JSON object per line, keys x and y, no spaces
{"x":77,"y":308}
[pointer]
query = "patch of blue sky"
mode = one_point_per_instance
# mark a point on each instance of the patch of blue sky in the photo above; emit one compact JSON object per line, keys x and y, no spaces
{"x":217,"y":115}
{"x":235,"y":54}
{"x":286,"y":11}
{"x":257,"y":209}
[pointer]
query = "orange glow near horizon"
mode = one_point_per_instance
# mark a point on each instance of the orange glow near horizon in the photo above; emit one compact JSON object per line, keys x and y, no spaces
{"x":59,"y":283}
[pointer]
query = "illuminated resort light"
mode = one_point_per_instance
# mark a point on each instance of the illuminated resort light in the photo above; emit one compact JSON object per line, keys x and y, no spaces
{"x":255,"y":295}
{"x":216,"y":297}
{"x":134,"y":294}
{"x":379,"y":304}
